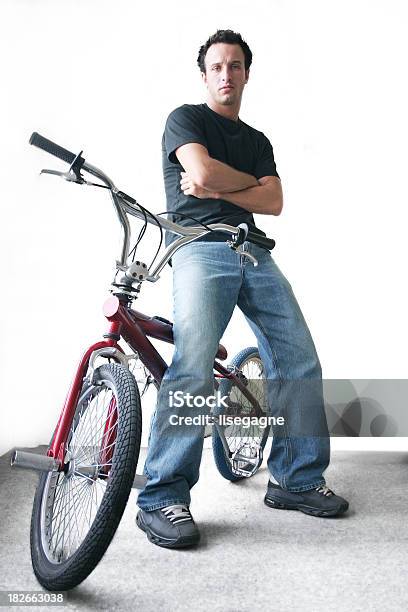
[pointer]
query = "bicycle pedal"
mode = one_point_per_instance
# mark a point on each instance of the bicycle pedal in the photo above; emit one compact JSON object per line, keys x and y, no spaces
{"x":246,"y":460}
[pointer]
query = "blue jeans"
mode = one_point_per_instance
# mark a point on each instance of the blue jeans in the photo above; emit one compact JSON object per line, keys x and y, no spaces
{"x":209,"y":280}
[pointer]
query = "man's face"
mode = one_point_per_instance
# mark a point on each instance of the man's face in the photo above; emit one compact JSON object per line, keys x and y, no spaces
{"x":225,"y":74}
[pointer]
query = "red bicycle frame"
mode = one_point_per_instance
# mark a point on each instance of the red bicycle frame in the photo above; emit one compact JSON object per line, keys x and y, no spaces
{"x":133,"y":327}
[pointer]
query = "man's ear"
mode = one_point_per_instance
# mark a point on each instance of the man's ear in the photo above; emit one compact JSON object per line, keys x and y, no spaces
{"x":246,"y":75}
{"x":204,"y":77}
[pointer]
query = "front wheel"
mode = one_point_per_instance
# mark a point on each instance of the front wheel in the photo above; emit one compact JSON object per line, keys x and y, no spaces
{"x":245,"y":442}
{"x":78,"y":509}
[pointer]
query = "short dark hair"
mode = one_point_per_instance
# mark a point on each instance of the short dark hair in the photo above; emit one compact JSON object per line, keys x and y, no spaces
{"x":225,"y":36}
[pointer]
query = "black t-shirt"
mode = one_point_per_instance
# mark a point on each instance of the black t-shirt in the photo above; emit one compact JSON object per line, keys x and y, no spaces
{"x":233,"y":142}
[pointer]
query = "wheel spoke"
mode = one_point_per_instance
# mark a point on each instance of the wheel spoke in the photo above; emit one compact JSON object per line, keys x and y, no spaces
{"x":86,"y":445}
{"x":237,"y":436}
{"x":73,"y":498}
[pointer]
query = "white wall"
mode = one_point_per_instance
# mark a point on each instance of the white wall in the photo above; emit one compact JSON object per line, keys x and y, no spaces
{"x":328,"y":86}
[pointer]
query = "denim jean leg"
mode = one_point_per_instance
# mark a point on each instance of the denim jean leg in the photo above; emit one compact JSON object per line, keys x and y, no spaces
{"x":301,"y":448}
{"x":206,"y":283}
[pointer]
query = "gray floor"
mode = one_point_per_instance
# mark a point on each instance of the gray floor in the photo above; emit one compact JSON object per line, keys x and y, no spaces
{"x":251,"y":557}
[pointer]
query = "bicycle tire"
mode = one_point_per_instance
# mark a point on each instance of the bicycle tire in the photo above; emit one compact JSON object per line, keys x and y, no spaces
{"x":64,"y":574}
{"x":223,"y":462}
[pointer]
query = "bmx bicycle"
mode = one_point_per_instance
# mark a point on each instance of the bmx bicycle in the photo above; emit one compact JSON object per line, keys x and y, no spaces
{"x":90,"y":466}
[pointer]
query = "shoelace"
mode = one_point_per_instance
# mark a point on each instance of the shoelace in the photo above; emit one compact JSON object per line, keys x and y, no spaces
{"x":178,"y":513}
{"x":324,"y":490}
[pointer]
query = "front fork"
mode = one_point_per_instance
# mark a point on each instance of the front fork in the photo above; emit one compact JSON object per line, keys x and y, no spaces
{"x":109,"y":348}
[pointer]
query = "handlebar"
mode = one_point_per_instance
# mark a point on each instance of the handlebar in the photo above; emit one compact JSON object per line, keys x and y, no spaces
{"x":262,"y":241}
{"x":50,"y":147}
{"x":125,"y":204}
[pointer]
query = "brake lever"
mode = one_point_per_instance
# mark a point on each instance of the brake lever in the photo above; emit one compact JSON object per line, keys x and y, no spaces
{"x":251,"y":258}
{"x":74,"y":173}
{"x":70,"y":176}
{"x":237,"y":241}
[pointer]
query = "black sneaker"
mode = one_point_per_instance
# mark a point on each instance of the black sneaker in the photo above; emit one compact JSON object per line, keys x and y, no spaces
{"x":170,"y":527}
{"x":317,"y":502}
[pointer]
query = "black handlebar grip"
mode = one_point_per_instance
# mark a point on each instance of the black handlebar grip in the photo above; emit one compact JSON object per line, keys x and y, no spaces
{"x":50,"y":147}
{"x":262,"y":241}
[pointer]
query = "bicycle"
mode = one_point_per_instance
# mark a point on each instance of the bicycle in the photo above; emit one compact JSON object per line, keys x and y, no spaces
{"x":90,"y":466}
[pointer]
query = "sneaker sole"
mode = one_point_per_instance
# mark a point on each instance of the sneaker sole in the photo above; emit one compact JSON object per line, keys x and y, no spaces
{"x":154,"y":538}
{"x":272,"y":503}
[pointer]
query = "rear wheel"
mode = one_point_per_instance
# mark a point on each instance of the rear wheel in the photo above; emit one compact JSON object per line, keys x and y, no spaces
{"x":78,"y":509}
{"x":245,"y":443}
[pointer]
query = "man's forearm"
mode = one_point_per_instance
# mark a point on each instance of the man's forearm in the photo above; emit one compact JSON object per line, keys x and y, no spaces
{"x":263,"y":199}
{"x":221,"y":178}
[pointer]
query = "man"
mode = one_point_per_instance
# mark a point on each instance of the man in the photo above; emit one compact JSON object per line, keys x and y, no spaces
{"x":219,"y":169}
